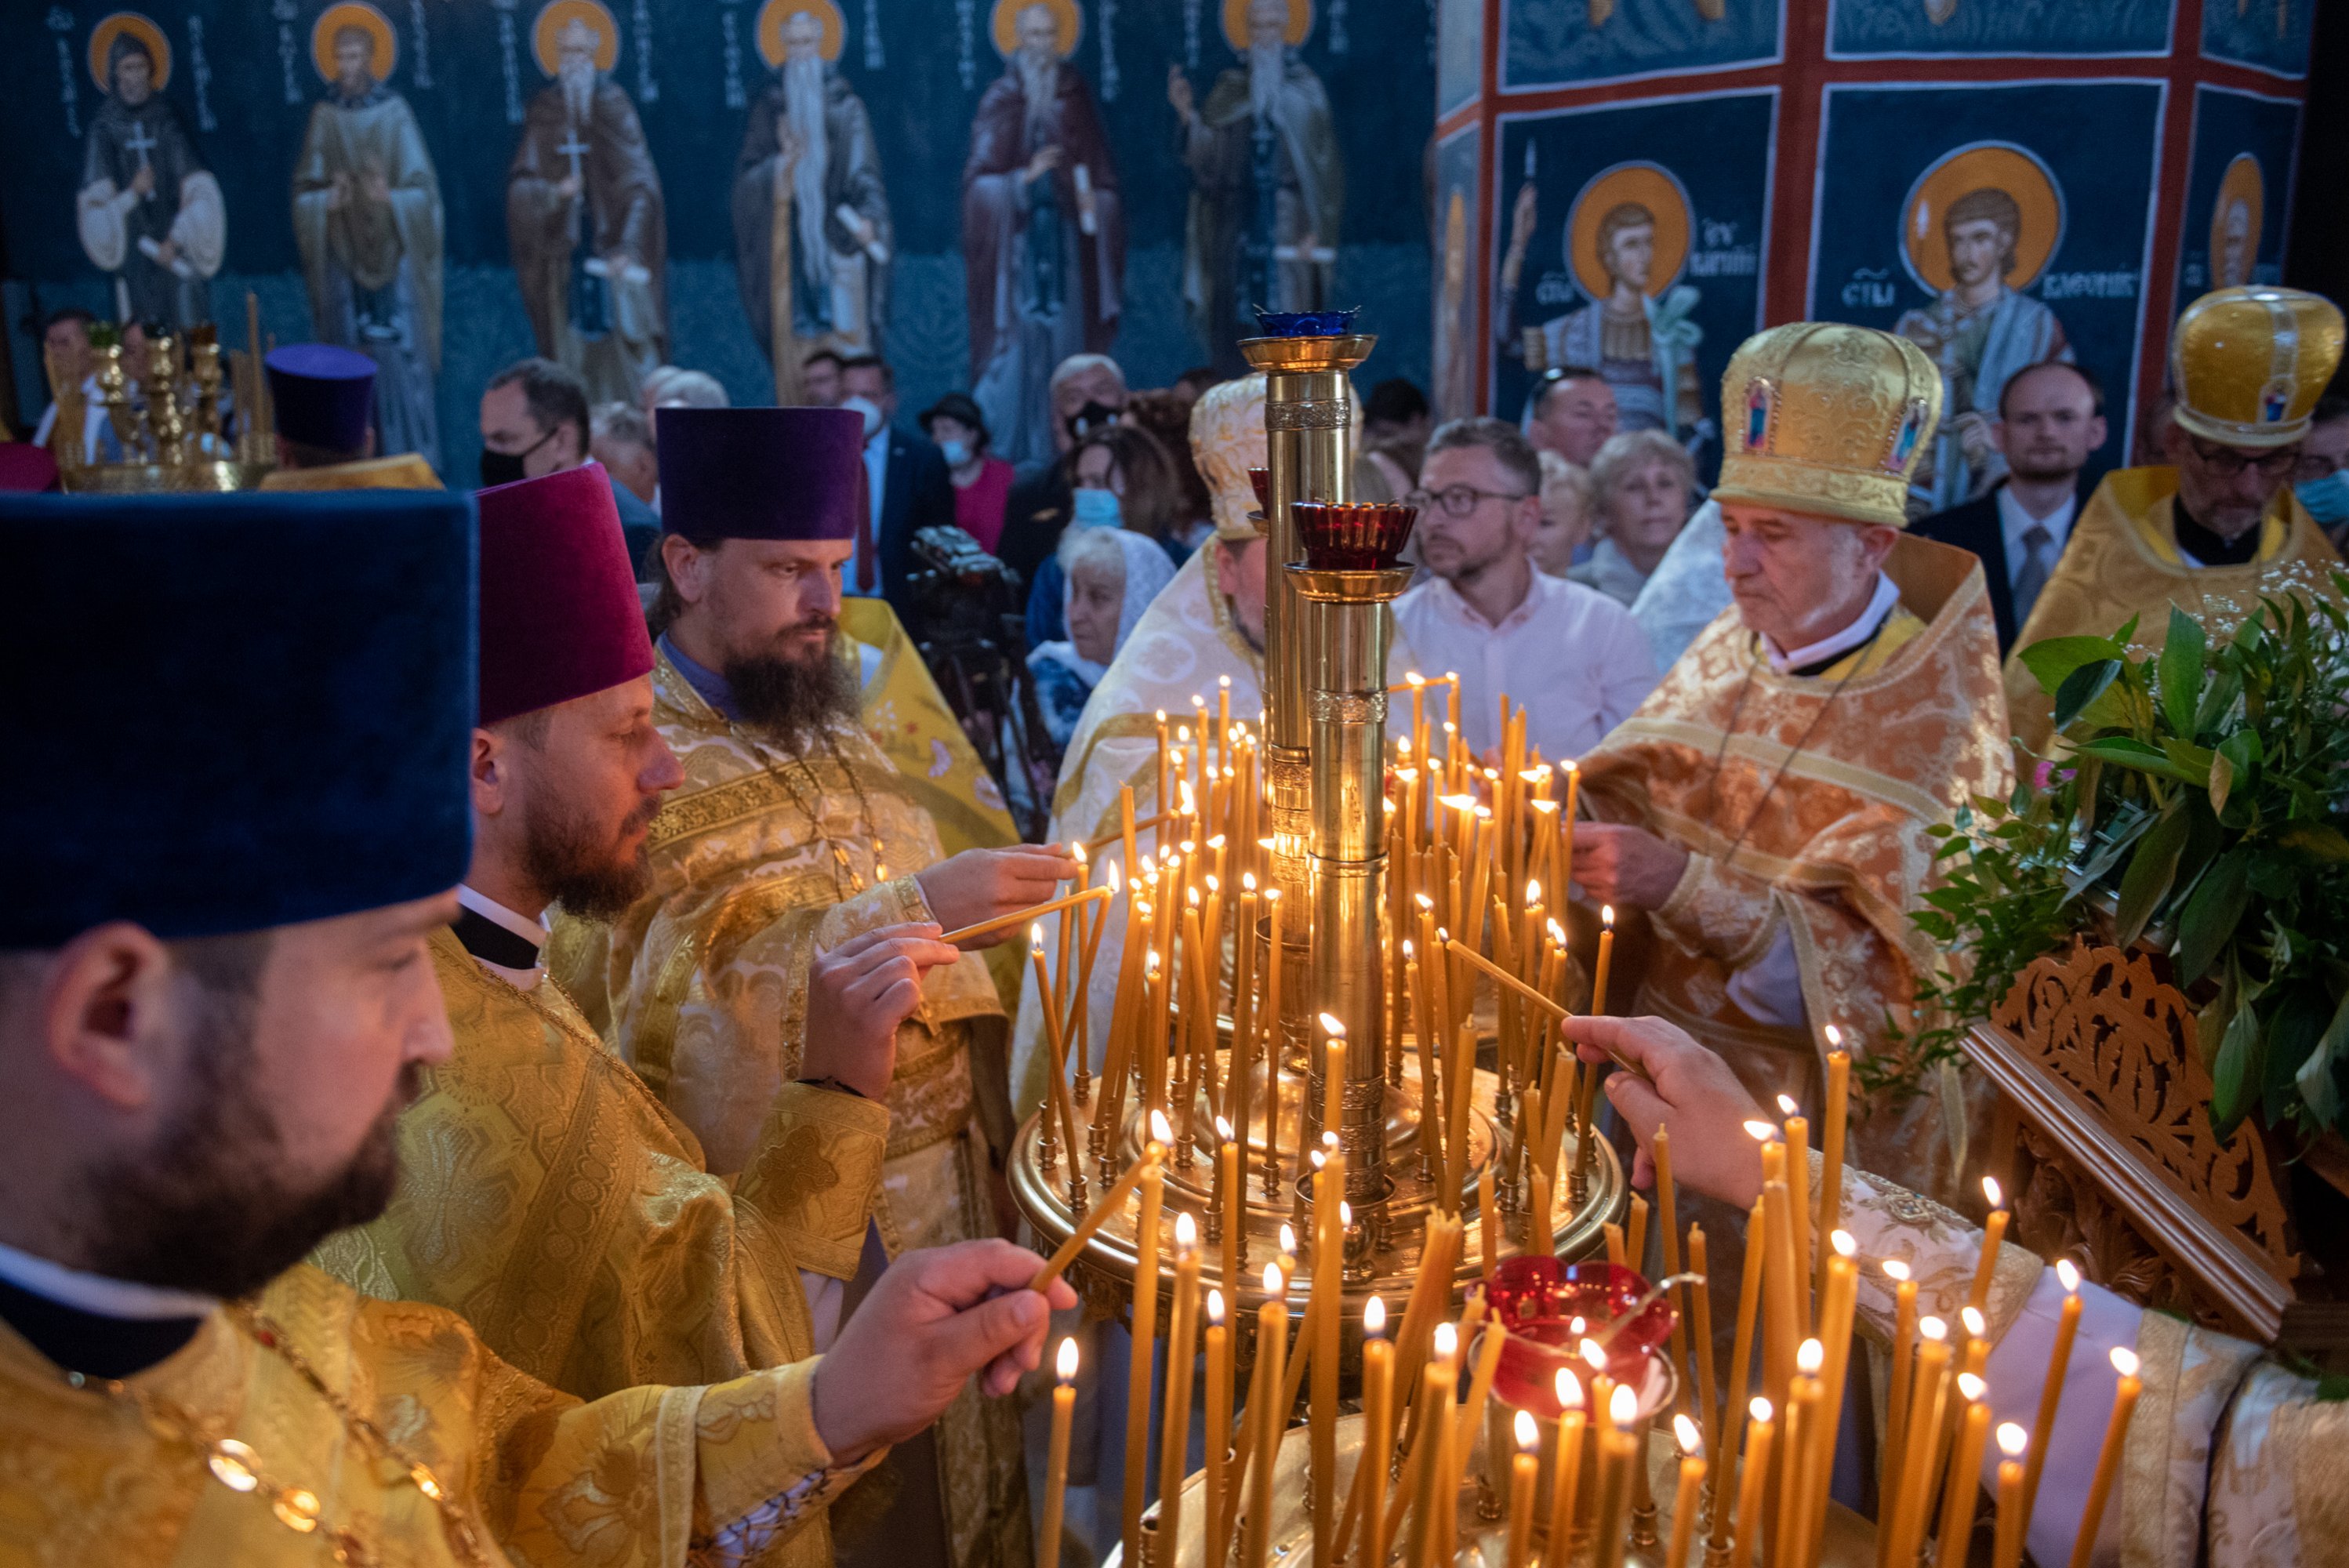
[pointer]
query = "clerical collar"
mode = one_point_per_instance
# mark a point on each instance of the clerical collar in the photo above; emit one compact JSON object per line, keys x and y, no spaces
{"x":2207,"y":548}
{"x":711,"y":686}
{"x":87,"y":1323}
{"x":499,"y":939}
{"x":1811,"y":658}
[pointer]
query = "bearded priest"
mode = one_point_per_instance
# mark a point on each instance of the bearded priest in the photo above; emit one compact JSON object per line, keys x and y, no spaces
{"x":1768,"y":805}
{"x":792,"y":835}
{"x":606,"y":1255}
{"x":216,"y":993}
{"x":2220,"y":530}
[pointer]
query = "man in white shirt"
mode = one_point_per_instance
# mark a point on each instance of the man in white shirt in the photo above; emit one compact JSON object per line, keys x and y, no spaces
{"x":1572,"y":656}
{"x":2050,"y":420}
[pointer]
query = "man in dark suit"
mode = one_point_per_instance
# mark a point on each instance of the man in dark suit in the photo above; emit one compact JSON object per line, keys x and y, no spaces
{"x":2051,"y":419}
{"x":910,"y":488}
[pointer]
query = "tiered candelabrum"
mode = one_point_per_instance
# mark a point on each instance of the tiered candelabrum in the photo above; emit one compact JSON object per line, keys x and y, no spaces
{"x":1306,"y":1111}
{"x":163,"y":407}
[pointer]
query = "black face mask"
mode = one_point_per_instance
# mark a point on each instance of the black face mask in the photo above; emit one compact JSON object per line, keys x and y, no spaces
{"x":504,"y":468}
{"x":1092,"y":417}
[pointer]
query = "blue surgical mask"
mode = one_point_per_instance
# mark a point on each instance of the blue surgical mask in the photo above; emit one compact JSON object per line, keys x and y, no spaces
{"x":866,"y":409}
{"x":1097,"y":509}
{"x":2327,"y":498}
{"x":955,"y":453}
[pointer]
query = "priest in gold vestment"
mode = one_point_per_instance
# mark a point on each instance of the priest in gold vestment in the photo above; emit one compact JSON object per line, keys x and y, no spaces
{"x":2220,"y":529}
{"x":215,"y":997}
{"x":791,"y":834}
{"x":2233,"y":1456}
{"x":322,"y":400}
{"x":1769,"y":802}
{"x":548,"y":1196}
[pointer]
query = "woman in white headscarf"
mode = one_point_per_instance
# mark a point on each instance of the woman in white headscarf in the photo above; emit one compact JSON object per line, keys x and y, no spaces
{"x":1111,"y":574}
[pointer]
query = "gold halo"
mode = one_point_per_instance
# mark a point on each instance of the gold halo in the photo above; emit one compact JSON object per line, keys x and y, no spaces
{"x":558,"y":12}
{"x":101,"y":39}
{"x":2242,"y":182}
{"x":1004,"y":24}
{"x":1653,"y":186}
{"x":353,"y":14}
{"x":776,"y":14}
{"x":1999,"y":165}
{"x":1300,"y":23}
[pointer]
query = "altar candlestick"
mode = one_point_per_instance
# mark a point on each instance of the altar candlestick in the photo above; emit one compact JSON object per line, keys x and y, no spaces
{"x":1056,"y":1463}
{"x":1174,"y":1429}
{"x":1565,"y":1471}
{"x":1685,"y":1501}
{"x":1378,"y":1433}
{"x":1993,"y":1232}
{"x":1112,"y":1201}
{"x":1144,"y":1312}
{"x":2007,"y":1551}
{"x":1752,"y":1472}
{"x":2108,"y":1458}
{"x":2051,"y":1389}
{"x":1522,"y":1467}
{"x":1269,"y":1417}
{"x":1606,"y":958}
{"x":1965,"y":1468}
{"x":1832,"y":1132}
{"x":1219,"y":1421}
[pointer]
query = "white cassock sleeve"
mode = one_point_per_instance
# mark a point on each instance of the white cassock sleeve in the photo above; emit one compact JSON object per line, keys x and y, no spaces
{"x":200,"y":231}
{"x":99,"y":211}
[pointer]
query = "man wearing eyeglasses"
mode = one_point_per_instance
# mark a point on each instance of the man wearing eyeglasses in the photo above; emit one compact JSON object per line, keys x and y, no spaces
{"x":1572,"y":657}
{"x":2221,"y":529}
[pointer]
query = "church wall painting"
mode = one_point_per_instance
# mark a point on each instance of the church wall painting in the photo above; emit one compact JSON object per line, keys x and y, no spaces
{"x":478,"y":224}
{"x":1452,"y":394}
{"x":1927,"y":29}
{"x":2270,"y":35}
{"x":1644,"y":222}
{"x":2239,"y":172}
{"x":1560,"y":43}
{"x":1996,"y":227}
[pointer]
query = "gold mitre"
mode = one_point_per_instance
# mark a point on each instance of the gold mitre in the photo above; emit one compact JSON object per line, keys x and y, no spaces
{"x":1829,"y":420}
{"x":1226,"y":440}
{"x":2249,"y":363}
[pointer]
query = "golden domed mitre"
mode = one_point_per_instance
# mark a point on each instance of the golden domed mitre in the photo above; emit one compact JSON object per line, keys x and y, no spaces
{"x":2248,"y":363}
{"x":1827,"y":419}
{"x":1226,"y":440}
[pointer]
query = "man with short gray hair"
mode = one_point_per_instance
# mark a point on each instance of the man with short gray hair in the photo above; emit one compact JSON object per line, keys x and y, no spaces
{"x":1572,"y":657}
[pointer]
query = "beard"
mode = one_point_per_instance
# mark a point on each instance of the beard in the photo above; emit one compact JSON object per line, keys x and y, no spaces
{"x":1268,"y":72}
{"x":578,"y":79}
{"x":206,"y":1210}
{"x":1039,"y":85}
{"x":794,"y":696}
{"x":567,"y":856}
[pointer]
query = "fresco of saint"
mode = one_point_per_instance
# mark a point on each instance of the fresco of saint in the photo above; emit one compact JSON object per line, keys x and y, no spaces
{"x":1267,"y":182}
{"x":148,"y":210}
{"x":583,"y":214}
{"x":812,"y":237}
{"x":1043,"y":227}
{"x":368,"y":220}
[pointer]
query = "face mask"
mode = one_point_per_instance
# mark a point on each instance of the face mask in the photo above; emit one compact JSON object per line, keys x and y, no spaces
{"x":505,"y":467}
{"x":1092,"y":416}
{"x":2327,"y":498}
{"x":1097,"y":509}
{"x":955,"y":453}
{"x":869,"y":410}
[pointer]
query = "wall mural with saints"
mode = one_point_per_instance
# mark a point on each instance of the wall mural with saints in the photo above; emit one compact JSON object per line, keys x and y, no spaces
{"x":1661,"y":178}
{"x":975,"y":188}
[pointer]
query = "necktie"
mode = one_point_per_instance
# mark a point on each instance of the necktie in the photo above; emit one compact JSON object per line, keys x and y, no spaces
{"x":2037,"y":549}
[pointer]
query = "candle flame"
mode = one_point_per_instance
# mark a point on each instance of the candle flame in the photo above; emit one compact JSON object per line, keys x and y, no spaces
{"x":1835,"y":1037}
{"x":1271,"y":894}
{"x":1808,"y":1358}
{"x":1288,"y":1238}
{"x":1217,"y":842}
{"x":1424,"y":902}
{"x":1188,"y":846}
{"x":1569,"y":1389}
{"x":1186,"y":1231}
{"x":1409,"y":954}
{"x":1247,"y":882}
{"x":1223,"y":1130}
{"x":2069,"y":1273}
{"x":1594,"y":1353}
{"x":1484,"y":813}
{"x":1065,"y":1362}
{"x":1451,"y":675}
{"x":1607,"y":915}
{"x":1160,"y":1129}
{"x":1332,"y":1026}
{"x":1191,"y":897}
{"x":1224,"y":682}
{"x":1374,"y":1317}
{"x":1758,"y":1408}
{"x":1761,"y":1132}
{"x":1533,"y":891}
{"x":1414,"y":677}
{"x":2124,"y":1361}
{"x":1315,"y":1156}
{"x":1623,"y":1406}
{"x":1528,"y":1434}
{"x":1272,"y":1286}
{"x":1844,"y":1245}
{"x":1162,"y":715}
{"x":1558,"y":934}
{"x":1895,"y":1269}
{"x":1329,"y":1140}
{"x":1212,"y":886}
{"x":1786,"y":1106}
{"x":1976,"y":1325}
{"x":1991,"y":1190}
{"x":1533,"y":775}
{"x":1447,"y":1341}
{"x":1110,"y":878}
{"x":1576,"y":1327}
{"x":1345,"y":1213}
{"x":1214,"y":1305}
{"x":1685,"y":1433}
{"x":1185,"y":802}
{"x":1183,"y":733}
{"x":2013,"y":1439}
{"x":1971,"y":1386}
{"x":1933,"y":1328}
{"x":1544,"y":807}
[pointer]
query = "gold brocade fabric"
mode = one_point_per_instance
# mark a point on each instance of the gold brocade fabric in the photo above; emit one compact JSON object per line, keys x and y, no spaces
{"x":2123,"y":560}
{"x":1815,"y":827}
{"x":707,"y":976}
{"x":547,"y":1196}
{"x":651,"y":1475}
{"x":401,"y":470}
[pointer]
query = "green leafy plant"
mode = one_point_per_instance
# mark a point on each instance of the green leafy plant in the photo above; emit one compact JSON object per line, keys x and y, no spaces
{"x":2205,"y":797}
